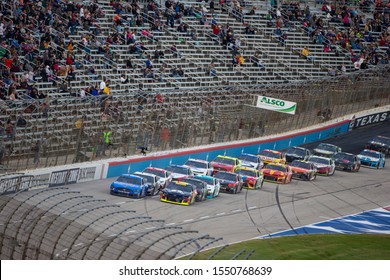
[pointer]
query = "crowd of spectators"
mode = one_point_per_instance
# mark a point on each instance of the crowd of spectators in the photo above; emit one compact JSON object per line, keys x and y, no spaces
{"x":35,"y":45}
{"x":343,"y":27}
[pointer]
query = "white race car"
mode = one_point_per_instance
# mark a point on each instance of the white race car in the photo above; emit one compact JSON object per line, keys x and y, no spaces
{"x":199,"y":167}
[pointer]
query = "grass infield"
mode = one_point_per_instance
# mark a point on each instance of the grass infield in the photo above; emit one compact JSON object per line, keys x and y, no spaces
{"x":306,"y":247}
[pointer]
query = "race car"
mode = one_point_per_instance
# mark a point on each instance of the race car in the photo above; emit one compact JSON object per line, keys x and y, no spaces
{"x":129,"y":185}
{"x":380,"y":144}
{"x":299,"y":153}
{"x":230,"y":182}
{"x":252,"y":161}
{"x":303,"y":170}
{"x":252,"y":178}
{"x":324,"y":165}
{"x":179,"y":193}
{"x":164,"y":176}
{"x":271,"y":156}
{"x":224,"y":163}
{"x":179,"y":171}
{"x":199,"y":167}
{"x":154,"y":186}
{"x":278,"y":173}
{"x":213,"y":186}
{"x":326,"y":150}
{"x":201,"y":187}
{"x":372,"y":159}
{"x":347,"y":161}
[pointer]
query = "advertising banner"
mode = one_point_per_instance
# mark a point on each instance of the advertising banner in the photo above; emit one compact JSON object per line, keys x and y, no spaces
{"x":369,"y":120}
{"x":275,"y":104}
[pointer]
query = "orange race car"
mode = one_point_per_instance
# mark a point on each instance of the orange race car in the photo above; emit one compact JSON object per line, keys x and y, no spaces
{"x":303,"y":170}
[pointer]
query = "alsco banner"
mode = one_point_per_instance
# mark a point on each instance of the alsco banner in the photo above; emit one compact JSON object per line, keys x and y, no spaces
{"x":275,"y":104}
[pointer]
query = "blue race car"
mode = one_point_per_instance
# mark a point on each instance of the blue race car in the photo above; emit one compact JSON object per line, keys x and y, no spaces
{"x":252,"y":161}
{"x":129,"y":185}
{"x":372,"y":159}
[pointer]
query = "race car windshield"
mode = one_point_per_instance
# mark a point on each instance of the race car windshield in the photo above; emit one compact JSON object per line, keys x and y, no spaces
{"x":369,"y":154}
{"x":246,"y":172}
{"x":208,"y":181}
{"x":296,"y":151}
{"x":300,"y":164}
{"x":327,"y":147}
{"x":174,"y":186}
{"x":227,"y":161}
{"x":196,"y":164}
{"x":196,"y":183}
{"x":149,"y":179}
{"x":276,"y":167}
{"x":130,"y":180}
{"x":177,"y":169}
{"x":319,"y":160}
{"x":226,"y":176}
{"x":270,"y":154}
{"x":342,"y":156}
{"x":382,"y":140}
{"x":159,"y":173}
{"x":248,"y":158}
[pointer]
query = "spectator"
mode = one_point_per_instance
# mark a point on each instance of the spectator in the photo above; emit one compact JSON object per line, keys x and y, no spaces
{"x":124,"y":80}
{"x":36,"y":148}
{"x":212,"y":71}
{"x":305,"y":53}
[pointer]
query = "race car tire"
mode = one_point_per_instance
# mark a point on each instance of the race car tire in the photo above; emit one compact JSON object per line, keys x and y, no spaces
{"x":235,"y":190}
{"x":261,"y":184}
{"x":314,"y":176}
{"x":356,"y":168}
{"x":334,"y":170}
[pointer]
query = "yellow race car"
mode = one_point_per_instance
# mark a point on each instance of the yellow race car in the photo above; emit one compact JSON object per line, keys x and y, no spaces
{"x":272,"y":156}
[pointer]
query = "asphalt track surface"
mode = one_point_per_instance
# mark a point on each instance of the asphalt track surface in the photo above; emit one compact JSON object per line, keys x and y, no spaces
{"x":254,"y":213}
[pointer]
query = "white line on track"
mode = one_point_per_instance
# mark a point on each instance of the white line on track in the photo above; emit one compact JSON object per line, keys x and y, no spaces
{"x":171,"y":224}
{"x":130,"y":231}
{"x":252,"y":207}
{"x":219,"y":214}
{"x":78,"y":244}
{"x":237,"y":210}
{"x":150,"y":228}
{"x":121,"y":202}
{"x":190,"y":220}
{"x":204,"y":217}
{"x":111,"y":235}
{"x":64,"y":250}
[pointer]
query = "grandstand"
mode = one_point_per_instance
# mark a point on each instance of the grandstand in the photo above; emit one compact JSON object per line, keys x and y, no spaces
{"x":174,"y":75}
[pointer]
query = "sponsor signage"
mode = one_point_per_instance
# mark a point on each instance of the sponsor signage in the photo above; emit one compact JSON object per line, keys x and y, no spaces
{"x":64,"y":177}
{"x":369,"y":120}
{"x":275,"y":104}
{"x":15,"y":184}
